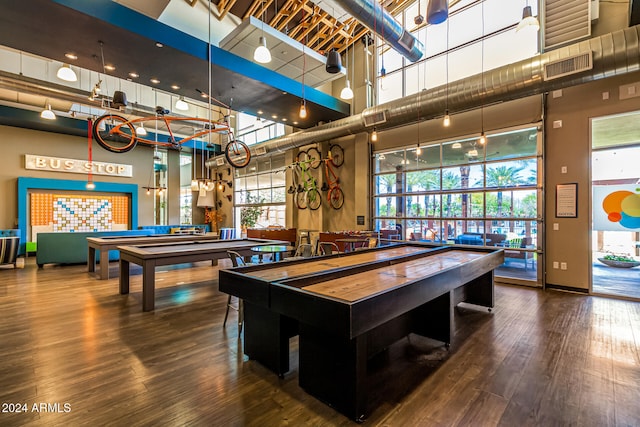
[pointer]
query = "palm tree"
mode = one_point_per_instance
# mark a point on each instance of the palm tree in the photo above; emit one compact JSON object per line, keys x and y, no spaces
{"x":503,"y":176}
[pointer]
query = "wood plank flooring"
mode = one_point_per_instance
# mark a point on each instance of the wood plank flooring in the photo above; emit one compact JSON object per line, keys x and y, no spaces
{"x":540,"y":358}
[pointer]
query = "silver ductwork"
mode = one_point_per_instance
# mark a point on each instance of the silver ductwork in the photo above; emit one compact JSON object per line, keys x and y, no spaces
{"x":377,"y":19}
{"x":609,"y":55}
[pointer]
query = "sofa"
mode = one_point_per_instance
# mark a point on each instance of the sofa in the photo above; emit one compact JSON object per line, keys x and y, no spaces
{"x":171,"y":229}
{"x":72,"y":248}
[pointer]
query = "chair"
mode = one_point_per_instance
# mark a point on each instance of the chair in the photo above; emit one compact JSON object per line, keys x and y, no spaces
{"x":303,"y":251}
{"x":328,"y":248}
{"x":237,"y":260}
{"x":520,"y":243}
{"x":371,"y":242}
{"x":416,"y":236}
{"x":227,"y":233}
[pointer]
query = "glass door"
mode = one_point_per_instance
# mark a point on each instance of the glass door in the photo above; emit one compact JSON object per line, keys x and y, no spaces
{"x":615,"y":211}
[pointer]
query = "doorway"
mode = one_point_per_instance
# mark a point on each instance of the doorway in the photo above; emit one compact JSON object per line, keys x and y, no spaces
{"x":615,"y":207}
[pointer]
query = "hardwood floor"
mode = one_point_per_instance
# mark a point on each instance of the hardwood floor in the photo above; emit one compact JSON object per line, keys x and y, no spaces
{"x":540,"y":358}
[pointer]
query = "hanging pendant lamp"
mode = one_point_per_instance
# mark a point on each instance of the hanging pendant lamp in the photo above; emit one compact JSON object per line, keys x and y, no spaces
{"x":334,"y":63}
{"x":528,"y":20}
{"x":437,"y":11}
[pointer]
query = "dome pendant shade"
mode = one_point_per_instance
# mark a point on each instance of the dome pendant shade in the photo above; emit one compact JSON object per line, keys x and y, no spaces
{"x":262,"y":53}
{"x":437,"y":11}
{"x":528,"y":20}
{"x":119,"y":99}
{"x":66,"y":73}
{"x":334,"y":63}
{"x":347,"y":93}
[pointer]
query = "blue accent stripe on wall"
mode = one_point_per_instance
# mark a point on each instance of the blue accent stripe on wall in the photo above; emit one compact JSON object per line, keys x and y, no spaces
{"x":26,"y":183}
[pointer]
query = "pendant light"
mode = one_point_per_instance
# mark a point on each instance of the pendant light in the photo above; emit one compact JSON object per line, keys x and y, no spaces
{"x":334,"y":62}
{"x":303,"y":107}
{"x":47,"y":113}
{"x":66,"y":73}
{"x":181,"y":104}
{"x":447,"y":119}
{"x":528,"y":20}
{"x":483,"y":137}
{"x":262,"y":53}
{"x":346,"y":92}
{"x":374,"y":135}
{"x":140,"y":130}
{"x":437,"y":11}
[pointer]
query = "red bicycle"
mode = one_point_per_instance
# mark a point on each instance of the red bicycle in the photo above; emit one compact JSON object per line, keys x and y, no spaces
{"x":332,"y":181}
{"x":119,"y":135}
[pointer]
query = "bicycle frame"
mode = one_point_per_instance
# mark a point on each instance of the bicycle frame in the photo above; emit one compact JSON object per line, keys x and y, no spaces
{"x":335,"y":195}
{"x":215,"y":127}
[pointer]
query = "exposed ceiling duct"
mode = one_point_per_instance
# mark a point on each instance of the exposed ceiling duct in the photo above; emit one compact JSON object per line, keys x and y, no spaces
{"x":374,"y":16}
{"x":612,"y":55}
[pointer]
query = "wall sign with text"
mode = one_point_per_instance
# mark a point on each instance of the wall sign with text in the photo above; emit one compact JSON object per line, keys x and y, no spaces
{"x":57,"y":164}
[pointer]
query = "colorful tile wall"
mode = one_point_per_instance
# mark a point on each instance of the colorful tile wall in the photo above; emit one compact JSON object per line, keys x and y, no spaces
{"x":72,"y":213}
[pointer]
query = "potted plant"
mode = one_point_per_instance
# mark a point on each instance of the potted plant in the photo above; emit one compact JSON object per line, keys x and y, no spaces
{"x":619,"y":261}
{"x":249,"y":214}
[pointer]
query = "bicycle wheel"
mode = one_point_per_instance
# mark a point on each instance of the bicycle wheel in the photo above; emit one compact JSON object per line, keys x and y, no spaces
{"x":114,"y":133}
{"x":303,"y":157}
{"x":314,"y":156}
{"x":336,"y":197}
{"x":336,"y":154}
{"x":314,"y":198}
{"x":301,"y":200}
{"x":237,"y":153}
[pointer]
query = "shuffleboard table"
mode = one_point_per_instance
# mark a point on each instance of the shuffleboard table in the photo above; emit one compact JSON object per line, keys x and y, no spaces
{"x":347,"y":308}
{"x":103,"y":245}
{"x":150,"y":256}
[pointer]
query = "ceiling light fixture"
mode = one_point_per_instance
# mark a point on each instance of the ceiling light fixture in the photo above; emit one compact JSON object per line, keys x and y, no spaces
{"x":437,"y":11}
{"x":528,"y":20}
{"x":47,"y":113}
{"x":66,"y":73}
{"x":181,"y":104}
{"x":334,"y":62}
{"x":140,"y":130}
{"x":347,"y":92}
{"x":262,"y":53}
{"x":456,"y":146}
{"x":374,"y":135}
{"x":447,"y":119}
{"x":134,"y":75}
{"x":71,"y":56}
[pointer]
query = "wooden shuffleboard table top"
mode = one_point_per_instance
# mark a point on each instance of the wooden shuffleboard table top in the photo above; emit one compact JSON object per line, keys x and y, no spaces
{"x":317,"y":265}
{"x":357,"y":286}
{"x":193,"y":247}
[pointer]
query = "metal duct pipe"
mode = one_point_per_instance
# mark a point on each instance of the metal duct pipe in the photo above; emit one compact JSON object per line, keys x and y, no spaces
{"x":374,"y":16}
{"x":614,"y":54}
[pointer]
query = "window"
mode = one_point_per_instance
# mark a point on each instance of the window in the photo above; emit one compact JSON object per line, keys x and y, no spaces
{"x":186,"y":172}
{"x":454,"y":191}
{"x":261,"y":185}
{"x":252,"y":130}
{"x":456,"y":47}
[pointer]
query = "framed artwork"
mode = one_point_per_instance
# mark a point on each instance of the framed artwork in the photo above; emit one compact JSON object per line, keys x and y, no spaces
{"x":567,"y":200}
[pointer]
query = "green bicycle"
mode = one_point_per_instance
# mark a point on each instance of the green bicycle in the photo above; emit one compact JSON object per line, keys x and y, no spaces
{"x":305,"y":186}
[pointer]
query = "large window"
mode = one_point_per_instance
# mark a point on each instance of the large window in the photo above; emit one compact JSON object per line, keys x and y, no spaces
{"x":463,"y":192}
{"x":461,"y":47}
{"x":252,"y":129}
{"x":260,"y":187}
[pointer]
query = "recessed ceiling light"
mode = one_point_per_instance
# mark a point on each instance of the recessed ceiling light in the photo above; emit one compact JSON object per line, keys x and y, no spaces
{"x":259,"y":111}
{"x":295,"y":123}
{"x":71,"y":55}
{"x":158,"y":44}
{"x":134,"y":75}
{"x":109,"y":67}
{"x":284,"y":119}
{"x":175,"y":87}
{"x":154,"y":81}
{"x":204,"y":95}
{"x":274,"y":116}
{"x":284,"y":93}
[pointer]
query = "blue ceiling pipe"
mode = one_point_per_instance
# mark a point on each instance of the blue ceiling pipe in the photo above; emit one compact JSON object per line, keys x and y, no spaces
{"x":374,"y":16}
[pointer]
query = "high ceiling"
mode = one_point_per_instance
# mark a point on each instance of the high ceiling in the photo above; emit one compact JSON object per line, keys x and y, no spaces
{"x":126,"y":37}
